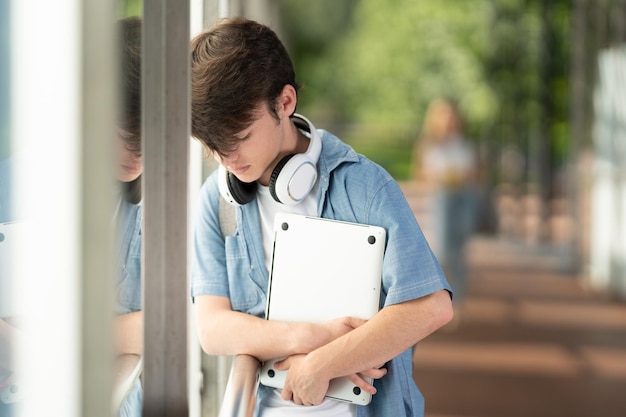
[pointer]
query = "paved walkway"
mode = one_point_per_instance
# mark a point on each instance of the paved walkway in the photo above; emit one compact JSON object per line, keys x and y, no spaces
{"x":530,"y":341}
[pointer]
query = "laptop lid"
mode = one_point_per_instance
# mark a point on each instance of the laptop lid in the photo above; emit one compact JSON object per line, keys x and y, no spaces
{"x":323,"y":269}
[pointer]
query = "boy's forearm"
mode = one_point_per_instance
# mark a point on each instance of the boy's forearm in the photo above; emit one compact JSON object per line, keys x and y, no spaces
{"x":253,"y":336}
{"x":129,"y":333}
{"x":8,"y":334}
{"x":263,"y":339}
{"x":392,"y":331}
{"x":225,"y":332}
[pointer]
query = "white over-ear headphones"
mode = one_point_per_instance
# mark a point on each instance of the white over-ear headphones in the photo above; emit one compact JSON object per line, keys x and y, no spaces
{"x":291,"y":181}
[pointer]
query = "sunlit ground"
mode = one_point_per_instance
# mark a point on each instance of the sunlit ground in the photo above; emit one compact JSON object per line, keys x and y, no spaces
{"x":531,"y":338}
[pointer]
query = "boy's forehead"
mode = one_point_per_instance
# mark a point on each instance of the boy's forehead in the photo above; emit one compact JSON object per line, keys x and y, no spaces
{"x":257,"y":113}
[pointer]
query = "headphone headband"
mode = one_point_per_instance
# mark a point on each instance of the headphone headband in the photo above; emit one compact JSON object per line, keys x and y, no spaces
{"x":315,"y":144}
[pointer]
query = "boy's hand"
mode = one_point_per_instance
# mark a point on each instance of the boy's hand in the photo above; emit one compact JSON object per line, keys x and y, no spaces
{"x":306,"y":387}
{"x":374,"y":373}
{"x":302,"y":387}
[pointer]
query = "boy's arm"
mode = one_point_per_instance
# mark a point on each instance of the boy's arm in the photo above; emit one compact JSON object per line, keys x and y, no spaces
{"x":223,"y":331}
{"x":8,"y":344}
{"x":390,"y":332}
{"x":129,"y":333}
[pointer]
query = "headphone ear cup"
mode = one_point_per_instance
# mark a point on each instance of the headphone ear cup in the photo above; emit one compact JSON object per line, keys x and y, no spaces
{"x":243,"y":192}
{"x":233,"y":190}
{"x":275,"y":174}
{"x":293,"y":179}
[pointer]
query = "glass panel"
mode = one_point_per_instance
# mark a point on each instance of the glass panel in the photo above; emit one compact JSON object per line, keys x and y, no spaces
{"x":59,"y":149}
{"x":128,"y":325}
{"x":9,"y":390}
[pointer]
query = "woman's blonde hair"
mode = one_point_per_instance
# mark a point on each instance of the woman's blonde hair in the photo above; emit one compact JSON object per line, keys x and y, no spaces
{"x":441,"y":120}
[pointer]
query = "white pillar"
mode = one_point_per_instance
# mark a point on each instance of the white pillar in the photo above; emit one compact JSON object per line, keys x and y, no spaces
{"x":62,"y":105}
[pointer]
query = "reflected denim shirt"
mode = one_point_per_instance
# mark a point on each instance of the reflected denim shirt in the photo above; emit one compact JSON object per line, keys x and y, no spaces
{"x":5,"y":190}
{"x":351,"y":188}
{"x":128,"y":288}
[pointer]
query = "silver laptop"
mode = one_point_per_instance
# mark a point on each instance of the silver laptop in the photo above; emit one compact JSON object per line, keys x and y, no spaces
{"x":323,"y":269}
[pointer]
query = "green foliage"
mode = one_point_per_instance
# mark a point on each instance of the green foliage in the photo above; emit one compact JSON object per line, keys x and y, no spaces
{"x":389,"y":60}
{"x":130,"y":8}
{"x":381,"y":63}
{"x":388,"y":146}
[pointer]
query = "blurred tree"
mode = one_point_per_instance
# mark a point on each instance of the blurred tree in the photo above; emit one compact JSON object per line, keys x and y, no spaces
{"x":130,"y":8}
{"x":383,"y":62}
{"x":378,"y":65}
{"x":504,"y":61}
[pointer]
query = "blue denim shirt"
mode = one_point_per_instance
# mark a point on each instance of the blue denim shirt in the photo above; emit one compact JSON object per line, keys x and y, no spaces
{"x":6,"y":214}
{"x":128,"y":288}
{"x":6,"y":410}
{"x":351,"y":188}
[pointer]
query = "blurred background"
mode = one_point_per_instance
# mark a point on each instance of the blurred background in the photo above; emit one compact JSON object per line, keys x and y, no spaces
{"x":538,"y":89}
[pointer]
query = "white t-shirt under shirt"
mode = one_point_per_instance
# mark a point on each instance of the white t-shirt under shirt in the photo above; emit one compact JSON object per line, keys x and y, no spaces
{"x":451,"y":161}
{"x":275,"y":406}
{"x":268,"y":207}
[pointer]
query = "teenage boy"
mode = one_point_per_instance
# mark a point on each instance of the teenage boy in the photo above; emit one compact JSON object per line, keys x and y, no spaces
{"x":244,"y":96}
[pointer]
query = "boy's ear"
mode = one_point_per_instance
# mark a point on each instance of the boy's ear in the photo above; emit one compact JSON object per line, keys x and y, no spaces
{"x":287,"y":101}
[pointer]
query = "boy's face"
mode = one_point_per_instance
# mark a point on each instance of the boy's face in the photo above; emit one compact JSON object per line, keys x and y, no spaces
{"x":258,"y":152}
{"x":130,"y":164}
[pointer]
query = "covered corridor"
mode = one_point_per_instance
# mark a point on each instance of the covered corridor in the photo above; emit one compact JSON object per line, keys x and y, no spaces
{"x":531,"y":339}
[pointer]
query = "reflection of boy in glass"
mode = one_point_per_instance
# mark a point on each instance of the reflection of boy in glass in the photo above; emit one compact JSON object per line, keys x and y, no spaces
{"x":128,"y":170}
{"x":8,"y":341}
{"x":129,"y":322}
{"x":244,"y":95}
{"x":8,"y":331}
{"x":5,"y":188}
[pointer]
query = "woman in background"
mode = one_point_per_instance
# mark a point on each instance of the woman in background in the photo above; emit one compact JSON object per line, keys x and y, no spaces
{"x":445,"y":161}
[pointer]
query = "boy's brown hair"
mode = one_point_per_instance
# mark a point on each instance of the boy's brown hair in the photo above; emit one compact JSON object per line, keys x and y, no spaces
{"x":236,"y":66}
{"x":129,"y":115}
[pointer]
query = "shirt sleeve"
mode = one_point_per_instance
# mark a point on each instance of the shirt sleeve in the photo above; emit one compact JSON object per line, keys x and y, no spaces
{"x":410,"y":269}
{"x":208,"y":276}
